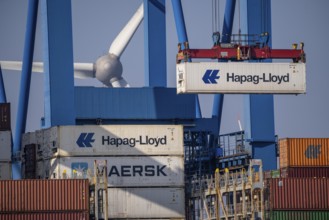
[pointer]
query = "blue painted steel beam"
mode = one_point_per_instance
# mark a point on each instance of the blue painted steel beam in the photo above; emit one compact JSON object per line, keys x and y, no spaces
{"x":3,"y":98}
{"x":58,"y":62}
{"x":155,"y":43}
{"x":259,"y":109}
{"x":182,"y":37}
{"x":25,"y":82}
{"x":226,"y":33}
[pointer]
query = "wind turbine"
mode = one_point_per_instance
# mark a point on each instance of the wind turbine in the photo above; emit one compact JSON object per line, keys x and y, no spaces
{"x":107,"y":68}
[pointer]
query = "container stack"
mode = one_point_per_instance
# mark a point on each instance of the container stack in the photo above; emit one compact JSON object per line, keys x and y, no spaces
{"x":44,"y":199}
{"x":301,"y":191}
{"x":145,"y":164}
{"x":5,"y":142}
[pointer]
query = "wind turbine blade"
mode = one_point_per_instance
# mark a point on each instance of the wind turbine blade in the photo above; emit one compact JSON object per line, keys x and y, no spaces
{"x":81,"y":70}
{"x":84,"y":70}
{"x":122,"y":40}
{"x":121,"y":83}
{"x":37,"y":67}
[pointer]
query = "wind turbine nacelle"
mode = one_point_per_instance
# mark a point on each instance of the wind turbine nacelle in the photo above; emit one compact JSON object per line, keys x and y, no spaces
{"x":108,"y":69}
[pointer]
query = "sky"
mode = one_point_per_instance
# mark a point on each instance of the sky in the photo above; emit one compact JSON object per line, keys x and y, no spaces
{"x":96,"y":24}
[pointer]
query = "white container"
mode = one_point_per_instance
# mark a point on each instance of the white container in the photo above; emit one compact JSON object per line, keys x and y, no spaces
{"x":152,"y":203}
{"x":233,"y":77}
{"x":121,"y":171}
{"x":113,"y":140}
{"x":5,"y":171}
{"x":5,"y":146}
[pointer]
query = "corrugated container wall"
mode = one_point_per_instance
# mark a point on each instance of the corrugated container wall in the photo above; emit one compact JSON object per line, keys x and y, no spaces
{"x":305,"y":172}
{"x":143,"y":203}
{"x":5,"y":117}
{"x":304,"y":152}
{"x":45,"y":216}
{"x":299,"y":194}
{"x":44,"y":195}
{"x":299,"y":215}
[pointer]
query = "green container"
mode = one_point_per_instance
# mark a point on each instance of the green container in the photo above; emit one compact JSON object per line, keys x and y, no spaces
{"x":275,"y":173}
{"x":299,"y":215}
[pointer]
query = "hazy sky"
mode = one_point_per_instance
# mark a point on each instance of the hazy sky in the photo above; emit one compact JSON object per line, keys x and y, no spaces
{"x":96,"y":23}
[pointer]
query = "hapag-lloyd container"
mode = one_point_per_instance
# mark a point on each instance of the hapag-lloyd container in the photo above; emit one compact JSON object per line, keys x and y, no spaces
{"x":139,"y":171}
{"x":146,"y":203}
{"x":299,"y":194}
{"x":304,"y":152}
{"x":214,"y":77}
{"x":113,"y":140}
{"x":44,"y":195}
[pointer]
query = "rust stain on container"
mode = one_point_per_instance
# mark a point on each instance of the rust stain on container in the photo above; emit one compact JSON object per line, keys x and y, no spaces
{"x":5,"y":117}
{"x":304,"y":152}
{"x":308,"y":172}
{"x":299,"y":194}
{"x":45,"y":215}
{"x":44,"y":195}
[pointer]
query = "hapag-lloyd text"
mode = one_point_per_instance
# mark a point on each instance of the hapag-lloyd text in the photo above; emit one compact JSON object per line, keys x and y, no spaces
{"x":255,"y":79}
{"x":115,"y":141}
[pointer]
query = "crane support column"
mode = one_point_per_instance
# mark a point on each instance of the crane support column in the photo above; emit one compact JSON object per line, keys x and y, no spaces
{"x":155,"y":43}
{"x":226,"y":33}
{"x":3,"y":98}
{"x":182,"y":37}
{"x":58,"y":63}
{"x":259,"y":109}
{"x":24,"y":92}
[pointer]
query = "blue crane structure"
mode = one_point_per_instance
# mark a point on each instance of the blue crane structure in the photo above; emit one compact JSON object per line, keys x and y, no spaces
{"x":66,"y":104}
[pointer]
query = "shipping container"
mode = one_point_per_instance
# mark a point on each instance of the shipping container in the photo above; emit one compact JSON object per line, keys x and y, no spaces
{"x":304,"y":152}
{"x":299,"y":215}
{"x":113,"y":140}
{"x":5,"y":117}
{"x":44,"y":195}
{"x":45,"y":216}
{"x":5,"y":145}
{"x":140,"y":203}
{"x":214,"y":77}
{"x":299,"y":194}
{"x":122,"y":171}
{"x":5,"y":170}
{"x":305,"y":172}
{"x":29,"y":161}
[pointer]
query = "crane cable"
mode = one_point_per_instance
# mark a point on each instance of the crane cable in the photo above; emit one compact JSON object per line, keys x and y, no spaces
{"x":216,"y":21}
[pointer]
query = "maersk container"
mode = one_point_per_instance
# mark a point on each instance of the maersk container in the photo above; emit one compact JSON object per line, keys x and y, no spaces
{"x":299,"y":194}
{"x":304,"y":152}
{"x":30,"y":196}
{"x":214,"y":77}
{"x":299,"y":215}
{"x":114,"y":140}
{"x":122,"y":171}
{"x":5,"y":145}
{"x":305,"y":172}
{"x":146,"y":203}
{"x":5,"y":170}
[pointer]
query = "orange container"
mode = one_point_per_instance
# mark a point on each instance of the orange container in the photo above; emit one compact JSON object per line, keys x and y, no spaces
{"x":304,"y":152}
